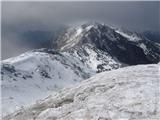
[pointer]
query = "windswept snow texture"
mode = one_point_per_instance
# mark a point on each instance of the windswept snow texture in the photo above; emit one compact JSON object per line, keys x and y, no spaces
{"x":123,"y":94}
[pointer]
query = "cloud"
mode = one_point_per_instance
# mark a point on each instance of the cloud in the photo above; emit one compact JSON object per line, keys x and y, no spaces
{"x":12,"y":45}
{"x":18,"y":17}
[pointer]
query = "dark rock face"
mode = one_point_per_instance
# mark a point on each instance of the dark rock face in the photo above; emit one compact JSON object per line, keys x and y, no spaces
{"x":46,"y":50}
{"x":126,"y":51}
{"x":8,"y":67}
{"x":118,"y":46}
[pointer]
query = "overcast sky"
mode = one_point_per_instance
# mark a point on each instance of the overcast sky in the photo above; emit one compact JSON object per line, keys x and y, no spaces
{"x":23,"y":16}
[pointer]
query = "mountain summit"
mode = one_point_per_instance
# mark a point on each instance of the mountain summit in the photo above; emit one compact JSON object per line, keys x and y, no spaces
{"x":128,"y":47}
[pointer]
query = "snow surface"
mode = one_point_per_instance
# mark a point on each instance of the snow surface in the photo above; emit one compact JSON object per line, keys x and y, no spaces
{"x":95,"y":59}
{"x":38,"y":74}
{"x":143,"y":46}
{"x":72,"y":37}
{"x":123,"y":94}
{"x":131,"y":36}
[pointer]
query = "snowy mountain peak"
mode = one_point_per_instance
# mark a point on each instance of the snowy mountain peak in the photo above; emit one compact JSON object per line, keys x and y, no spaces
{"x":128,"y":47}
{"x":78,"y":35}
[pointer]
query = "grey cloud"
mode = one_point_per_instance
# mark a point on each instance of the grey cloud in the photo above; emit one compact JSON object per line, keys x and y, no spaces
{"x":47,"y":14}
{"x":18,"y":17}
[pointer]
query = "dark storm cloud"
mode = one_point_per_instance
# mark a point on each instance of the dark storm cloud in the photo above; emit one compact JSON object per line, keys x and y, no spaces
{"x":40,"y":15}
{"x":22,"y":16}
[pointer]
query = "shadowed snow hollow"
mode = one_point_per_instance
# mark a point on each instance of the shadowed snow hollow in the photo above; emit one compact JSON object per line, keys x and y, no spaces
{"x":123,"y":94}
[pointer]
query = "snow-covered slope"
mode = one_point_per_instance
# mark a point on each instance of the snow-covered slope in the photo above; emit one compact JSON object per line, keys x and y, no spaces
{"x":37,"y":74}
{"x":94,"y":58}
{"x":129,"y":35}
{"x":124,"y":94}
{"x":34,"y":75}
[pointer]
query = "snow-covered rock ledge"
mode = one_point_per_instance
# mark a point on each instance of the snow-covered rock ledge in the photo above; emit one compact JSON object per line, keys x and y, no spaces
{"x":124,"y":94}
